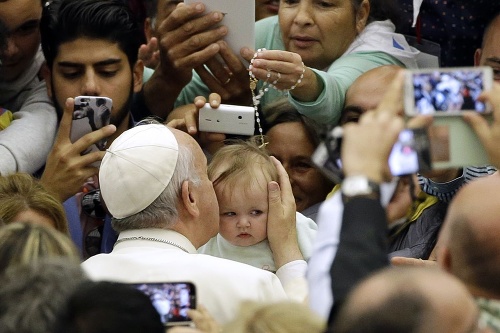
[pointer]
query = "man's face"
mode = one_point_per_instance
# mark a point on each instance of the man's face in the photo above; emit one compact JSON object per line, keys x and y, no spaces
{"x":22,"y":19}
{"x":489,"y":55}
{"x":94,"y":67}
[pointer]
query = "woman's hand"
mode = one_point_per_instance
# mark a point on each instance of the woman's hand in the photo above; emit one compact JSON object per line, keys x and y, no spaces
{"x":286,"y":71}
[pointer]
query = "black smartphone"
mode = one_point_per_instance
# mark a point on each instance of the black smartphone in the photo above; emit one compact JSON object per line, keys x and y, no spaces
{"x":171,"y":300}
{"x":90,"y":113}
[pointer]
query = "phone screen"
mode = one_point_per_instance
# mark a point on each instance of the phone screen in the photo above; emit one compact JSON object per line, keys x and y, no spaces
{"x":171,"y":300}
{"x":411,"y":153}
{"x":90,"y":113}
{"x":443,"y":91}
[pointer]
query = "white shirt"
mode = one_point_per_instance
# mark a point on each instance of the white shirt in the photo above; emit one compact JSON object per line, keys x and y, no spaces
{"x":221,"y":285}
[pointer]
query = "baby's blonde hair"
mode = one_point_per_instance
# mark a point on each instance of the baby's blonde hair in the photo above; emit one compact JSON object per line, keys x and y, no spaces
{"x":241,"y":161}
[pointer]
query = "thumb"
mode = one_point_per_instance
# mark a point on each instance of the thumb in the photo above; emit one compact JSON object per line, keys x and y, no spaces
{"x":274,"y":194}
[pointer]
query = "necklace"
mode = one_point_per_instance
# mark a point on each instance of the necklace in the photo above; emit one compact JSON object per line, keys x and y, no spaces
{"x":152,"y":239}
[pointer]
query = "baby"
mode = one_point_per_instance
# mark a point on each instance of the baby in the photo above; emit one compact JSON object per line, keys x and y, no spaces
{"x":240,"y":173}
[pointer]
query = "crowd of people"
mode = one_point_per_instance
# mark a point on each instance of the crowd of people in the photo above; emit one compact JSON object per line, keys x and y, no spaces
{"x":257,"y":235}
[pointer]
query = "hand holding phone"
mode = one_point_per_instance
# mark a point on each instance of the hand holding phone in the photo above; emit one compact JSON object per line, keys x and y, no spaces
{"x":90,"y":114}
{"x":446,"y":93}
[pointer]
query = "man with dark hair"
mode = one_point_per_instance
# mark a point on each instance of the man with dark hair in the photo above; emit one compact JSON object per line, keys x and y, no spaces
{"x":96,"y":307}
{"x":69,"y":30}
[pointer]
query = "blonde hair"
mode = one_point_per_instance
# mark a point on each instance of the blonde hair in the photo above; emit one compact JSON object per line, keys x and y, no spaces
{"x":21,"y":192}
{"x":241,"y":160}
{"x":282,"y":317}
{"x":25,"y":243}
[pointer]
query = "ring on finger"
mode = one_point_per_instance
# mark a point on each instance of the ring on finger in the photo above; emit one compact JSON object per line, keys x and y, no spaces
{"x":228,"y":79}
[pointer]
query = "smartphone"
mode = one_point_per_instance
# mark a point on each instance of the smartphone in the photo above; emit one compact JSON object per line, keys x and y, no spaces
{"x":239,"y":18}
{"x":171,"y":300}
{"x":446,"y":91}
{"x":228,"y":119}
{"x":411,"y":153}
{"x":90,"y":113}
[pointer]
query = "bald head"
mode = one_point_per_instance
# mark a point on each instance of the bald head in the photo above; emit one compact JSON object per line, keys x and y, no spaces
{"x":408,"y":299}
{"x":469,"y":244}
{"x":489,"y":53}
{"x":367,"y":91}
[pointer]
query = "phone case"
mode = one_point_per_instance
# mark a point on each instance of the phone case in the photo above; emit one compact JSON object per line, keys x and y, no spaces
{"x":90,"y":114}
{"x":446,"y":91}
{"x":239,"y":18}
{"x":228,"y":119}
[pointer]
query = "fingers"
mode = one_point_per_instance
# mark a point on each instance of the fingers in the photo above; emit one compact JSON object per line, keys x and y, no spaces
{"x":186,"y":30}
{"x":214,"y":100}
{"x":419,"y":122}
{"x":200,"y":101}
{"x":247,"y":53}
{"x":179,"y":124}
{"x":65,"y":126}
{"x":266,"y":65}
{"x":402,"y":261}
{"x":91,"y":138}
{"x":284,"y":189}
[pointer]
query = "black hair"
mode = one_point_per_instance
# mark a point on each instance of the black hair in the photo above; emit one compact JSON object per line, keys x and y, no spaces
{"x":281,"y":111}
{"x":67,"y":20}
{"x":108,"y":307}
{"x":3,"y":37}
{"x":380,"y":10}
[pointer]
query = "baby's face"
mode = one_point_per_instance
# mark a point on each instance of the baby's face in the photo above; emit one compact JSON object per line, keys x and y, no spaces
{"x":243,"y":214}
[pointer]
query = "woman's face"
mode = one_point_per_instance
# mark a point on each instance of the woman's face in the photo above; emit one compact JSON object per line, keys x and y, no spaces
{"x":319,"y":30}
{"x":289,"y":143}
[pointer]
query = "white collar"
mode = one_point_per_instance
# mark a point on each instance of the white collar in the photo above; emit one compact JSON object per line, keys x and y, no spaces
{"x":163,"y":234}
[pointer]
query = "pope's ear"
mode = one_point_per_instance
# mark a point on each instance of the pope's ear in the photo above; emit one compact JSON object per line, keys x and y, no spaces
{"x":190,"y":198}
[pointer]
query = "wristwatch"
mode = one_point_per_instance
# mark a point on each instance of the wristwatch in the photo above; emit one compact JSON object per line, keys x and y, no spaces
{"x":359,"y":186}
